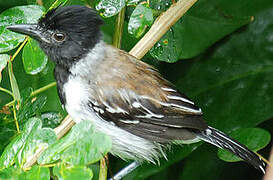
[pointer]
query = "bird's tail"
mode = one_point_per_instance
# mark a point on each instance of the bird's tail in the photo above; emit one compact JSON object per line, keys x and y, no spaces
{"x":221,"y":140}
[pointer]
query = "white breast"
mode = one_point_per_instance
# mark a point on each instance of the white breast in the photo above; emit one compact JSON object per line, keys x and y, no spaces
{"x":124,"y":144}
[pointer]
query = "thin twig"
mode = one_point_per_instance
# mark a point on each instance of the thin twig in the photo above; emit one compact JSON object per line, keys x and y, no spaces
{"x":42,"y":89}
{"x":15,"y":118}
{"x":158,"y":29}
{"x":15,"y":91}
{"x":119,"y":28}
{"x":37,"y":91}
{"x":103,"y":169}
{"x":19,"y":49}
{"x":6,"y":91}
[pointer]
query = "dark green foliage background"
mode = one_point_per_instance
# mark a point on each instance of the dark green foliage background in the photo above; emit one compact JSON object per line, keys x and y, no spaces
{"x":220,"y":54}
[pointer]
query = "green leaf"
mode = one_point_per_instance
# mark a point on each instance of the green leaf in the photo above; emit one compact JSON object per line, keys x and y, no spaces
{"x":203,"y":163}
{"x":37,"y":173}
{"x":30,"y":106}
{"x":3,"y":62}
{"x":95,"y":169}
{"x":32,"y":2}
{"x":51,"y":119}
{"x":110,"y":8}
{"x":13,"y":83}
{"x":7,"y":132}
{"x":141,"y":18}
{"x":11,"y":3}
{"x":81,"y":146}
{"x":132,"y":2}
{"x":72,"y":173}
{"x":254,"y":138}
{"x":34,"y":59}
{"x":207,"y":22}
{"x":11,"y":173}
{"x":231,"y":84}
{"x":160,"y":5}
{"x":38,"y":138}
{"x":8,"y":156}
{"x":24,"y":146}
{"x":16,"y":15}
{"x":48,"y":3}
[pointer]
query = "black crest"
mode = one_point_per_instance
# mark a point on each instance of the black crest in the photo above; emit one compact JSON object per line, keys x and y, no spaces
{"x":70,"y":16}
{"x":81,"y":27}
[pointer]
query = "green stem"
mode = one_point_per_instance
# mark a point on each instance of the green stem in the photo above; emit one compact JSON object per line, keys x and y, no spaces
{"x":37,"y":91}
{"x":10,"y":103}
{"x":56,"y":4}
{"x":42,"y":89}
{"x":119,"y":28}
{"x":15,"y":118}
{"x":19,"y":49}
{"x":6,"y":91}
{"x":103,"y":169}
{"x":15,"y":92}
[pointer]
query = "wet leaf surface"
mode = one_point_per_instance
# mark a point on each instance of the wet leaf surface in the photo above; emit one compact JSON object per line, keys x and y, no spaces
{"x":16,"y":15}
{"x":24,"y":146}
{"x":34,"y":59}
{"x":3,"y":63}
{"x":72,"y":173}
{"x":140,"y":19}
{"x":81,"y":146}
{"x":110,"y":8}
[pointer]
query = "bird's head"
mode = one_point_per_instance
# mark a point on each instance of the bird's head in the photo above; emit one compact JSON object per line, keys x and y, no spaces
{"x":65,"y":34}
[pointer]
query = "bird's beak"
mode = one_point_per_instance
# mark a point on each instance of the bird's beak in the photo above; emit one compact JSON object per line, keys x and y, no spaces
{"x":31,"y":30}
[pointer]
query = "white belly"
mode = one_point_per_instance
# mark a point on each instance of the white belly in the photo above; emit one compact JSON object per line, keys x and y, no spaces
{"x":124,"y":144}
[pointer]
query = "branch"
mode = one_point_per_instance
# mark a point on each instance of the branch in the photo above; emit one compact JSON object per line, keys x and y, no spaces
{"x":161,"y":25}
{"x":42,"y":89}
{"x":103,"y":168}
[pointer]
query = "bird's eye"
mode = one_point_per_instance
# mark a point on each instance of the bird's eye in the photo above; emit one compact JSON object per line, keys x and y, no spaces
{"x":59,"y":36}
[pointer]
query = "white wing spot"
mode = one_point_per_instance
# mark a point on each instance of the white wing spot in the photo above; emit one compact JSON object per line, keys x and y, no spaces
{"x":180,"y":98}
{"x":96,"y":109}
{"x":168,"y":89}
{"x":114,"y":110}
{"x":199,"y":111}
{"x":130,"y":121}
{"x":262,"y":169}
{"x":95,"y":103}
{"x":136,"y":105}
{"x":149,"y":113}
{"x":208,"y":131}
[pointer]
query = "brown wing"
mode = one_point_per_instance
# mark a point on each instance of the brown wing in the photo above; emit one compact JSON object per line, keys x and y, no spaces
{"x":136,"y":98}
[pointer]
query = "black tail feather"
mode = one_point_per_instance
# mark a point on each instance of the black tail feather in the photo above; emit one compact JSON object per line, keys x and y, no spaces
{"x":221,"y":140}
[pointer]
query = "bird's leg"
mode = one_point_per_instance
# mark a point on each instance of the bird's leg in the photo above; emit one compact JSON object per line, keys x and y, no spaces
{"x":125,"y":171}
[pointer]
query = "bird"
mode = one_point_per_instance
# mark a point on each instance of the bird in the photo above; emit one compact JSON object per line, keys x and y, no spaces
{"x":123,"y":97}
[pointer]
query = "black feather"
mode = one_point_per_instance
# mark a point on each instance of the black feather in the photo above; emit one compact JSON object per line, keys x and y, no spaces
{"x":220,"y":139}
{"x":80,"y":24}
